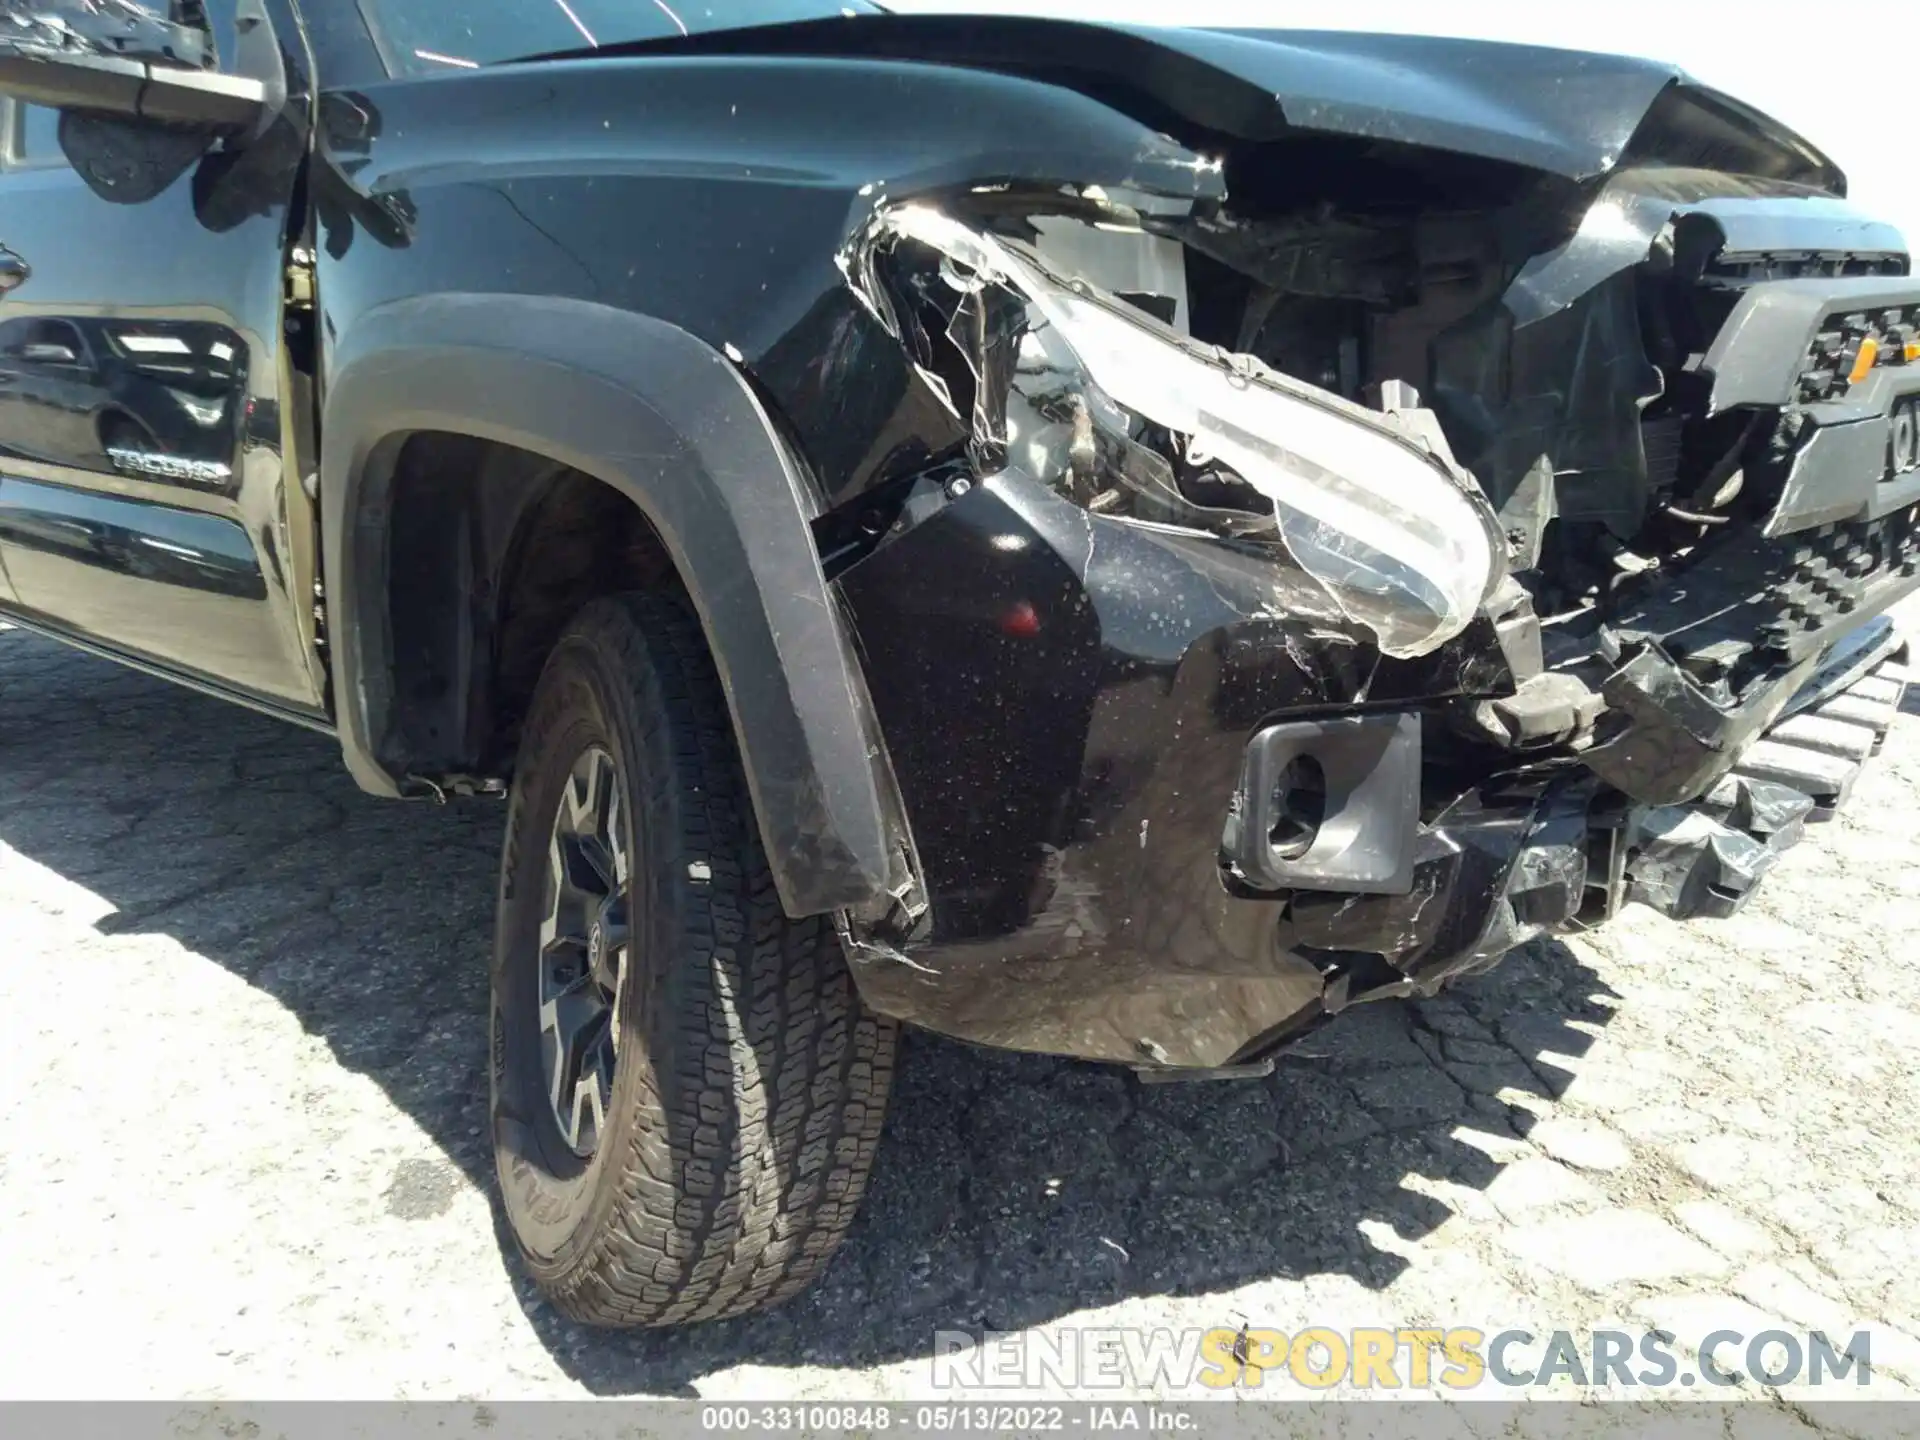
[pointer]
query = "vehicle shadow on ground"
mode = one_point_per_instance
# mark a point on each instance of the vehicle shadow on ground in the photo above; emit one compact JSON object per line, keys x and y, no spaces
{"x":1010,"y":1190}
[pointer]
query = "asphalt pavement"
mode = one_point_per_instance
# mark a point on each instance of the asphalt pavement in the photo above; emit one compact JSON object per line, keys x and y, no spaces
{"x":243,"y":1096}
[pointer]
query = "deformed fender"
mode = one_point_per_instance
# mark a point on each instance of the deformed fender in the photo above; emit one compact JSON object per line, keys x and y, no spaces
{"x":656,"y":413}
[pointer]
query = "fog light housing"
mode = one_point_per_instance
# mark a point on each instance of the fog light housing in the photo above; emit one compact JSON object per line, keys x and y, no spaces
{"x":1329,"y":805}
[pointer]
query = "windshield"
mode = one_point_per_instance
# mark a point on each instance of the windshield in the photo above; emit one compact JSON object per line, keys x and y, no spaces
{"x":420,"y":36}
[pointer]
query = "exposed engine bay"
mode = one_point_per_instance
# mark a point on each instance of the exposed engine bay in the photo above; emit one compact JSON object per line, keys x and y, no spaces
{"x":1564,"y":383}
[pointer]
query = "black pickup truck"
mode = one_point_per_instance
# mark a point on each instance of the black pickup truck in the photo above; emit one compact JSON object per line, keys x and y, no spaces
{"x":1089,"y":539}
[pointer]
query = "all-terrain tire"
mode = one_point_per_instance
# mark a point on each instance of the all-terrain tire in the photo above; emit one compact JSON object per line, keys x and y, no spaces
{"x":749,"y":1085}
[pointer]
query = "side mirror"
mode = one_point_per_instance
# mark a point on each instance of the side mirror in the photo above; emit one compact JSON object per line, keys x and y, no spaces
{"x":130,"y":89}
{"x":139,"y":97}
{"x":123,"y":61}
{"x":47,"y":354}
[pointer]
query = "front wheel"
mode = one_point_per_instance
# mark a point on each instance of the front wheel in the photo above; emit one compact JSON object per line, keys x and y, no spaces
{"x":687,"y":1095}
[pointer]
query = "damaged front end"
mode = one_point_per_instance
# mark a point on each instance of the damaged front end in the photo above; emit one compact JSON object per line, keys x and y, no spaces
{"x":1097,"y":398}
{"x":1276,"y":603}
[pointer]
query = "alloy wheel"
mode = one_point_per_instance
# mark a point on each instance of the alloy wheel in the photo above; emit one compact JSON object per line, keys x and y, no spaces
{"x":584,"y":948}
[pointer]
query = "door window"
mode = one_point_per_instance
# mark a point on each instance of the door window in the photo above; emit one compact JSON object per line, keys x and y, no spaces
{"x":42,"y":341}
{"x":35,"y":135}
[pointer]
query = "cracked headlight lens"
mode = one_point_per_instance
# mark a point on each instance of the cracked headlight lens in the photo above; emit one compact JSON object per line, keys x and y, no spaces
{"x":1134,"y":421}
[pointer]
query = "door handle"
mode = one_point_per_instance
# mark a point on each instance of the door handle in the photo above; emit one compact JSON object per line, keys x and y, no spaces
{"x":14,"y":272}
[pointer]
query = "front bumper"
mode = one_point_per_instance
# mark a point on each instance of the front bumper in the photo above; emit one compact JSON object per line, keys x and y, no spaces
{"x":1069,"y":703}
{"x":1088,"y":718}
{"x":1506,"y":864}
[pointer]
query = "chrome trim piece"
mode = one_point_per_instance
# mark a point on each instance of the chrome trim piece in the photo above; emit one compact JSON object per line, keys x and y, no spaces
{"x":170,"y":467}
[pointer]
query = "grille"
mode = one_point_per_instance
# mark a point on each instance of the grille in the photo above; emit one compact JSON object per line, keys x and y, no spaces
{"x":1662,"y":438}
{"x":1830,"y":571}
{"x":1836,"y":349}
{"x":1779,"y":600}
{"x":1739,"y":269}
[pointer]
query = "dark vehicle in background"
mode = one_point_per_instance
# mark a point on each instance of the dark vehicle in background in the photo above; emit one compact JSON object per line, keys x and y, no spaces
{"x":1111,"y":541}
{"x":152,"y":400}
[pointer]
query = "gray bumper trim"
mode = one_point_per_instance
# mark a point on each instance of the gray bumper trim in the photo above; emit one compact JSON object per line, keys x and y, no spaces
{"x":1707,"y":858}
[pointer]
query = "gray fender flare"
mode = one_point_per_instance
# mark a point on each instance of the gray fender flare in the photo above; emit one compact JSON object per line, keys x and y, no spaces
{"x":659,"y":415}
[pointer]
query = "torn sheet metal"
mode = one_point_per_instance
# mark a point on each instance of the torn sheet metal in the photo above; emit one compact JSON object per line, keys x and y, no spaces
{"x":1491,"y":872}
{"x":1688,"y":216}
{"x":1137,"y":423}
{"x":1548,"y":392}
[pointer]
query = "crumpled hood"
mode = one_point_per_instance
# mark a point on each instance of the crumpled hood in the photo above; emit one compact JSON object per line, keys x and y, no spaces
{"x":1568,"y":112}
{"x":1563,"y":112}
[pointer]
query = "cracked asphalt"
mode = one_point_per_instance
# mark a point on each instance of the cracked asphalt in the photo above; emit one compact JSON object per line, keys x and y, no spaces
{"x":243,"y":1092}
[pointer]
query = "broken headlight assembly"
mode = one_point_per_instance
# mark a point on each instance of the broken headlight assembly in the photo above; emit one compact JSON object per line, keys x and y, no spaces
{"x":1120,"y":412}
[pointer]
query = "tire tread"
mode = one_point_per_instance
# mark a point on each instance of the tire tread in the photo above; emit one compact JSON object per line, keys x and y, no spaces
{"x":752,"y":1153}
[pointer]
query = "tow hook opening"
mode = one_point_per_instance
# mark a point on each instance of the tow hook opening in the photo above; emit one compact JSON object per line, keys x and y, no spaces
{"x":1328,"y":805}
{"x":1298,"y":806}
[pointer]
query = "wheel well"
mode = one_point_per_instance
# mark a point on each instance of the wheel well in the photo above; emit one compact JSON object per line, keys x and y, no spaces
{"x":491,"y":550}
{"x":108,"y":422}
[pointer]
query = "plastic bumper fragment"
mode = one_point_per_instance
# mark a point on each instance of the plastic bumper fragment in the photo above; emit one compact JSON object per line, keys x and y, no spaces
{"x":1687,"y":863}
{"x":1874,"y":715}
{"x":1826,"y":733}
{"x":1821,"y":751}
{"x":1827,"y":778}
{"x":1706,"y":858}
